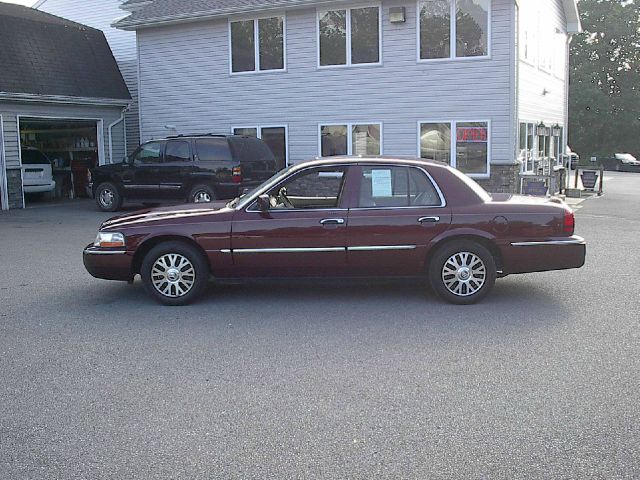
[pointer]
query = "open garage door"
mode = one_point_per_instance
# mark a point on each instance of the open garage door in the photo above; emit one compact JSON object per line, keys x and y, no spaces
{"x":56,"y":155}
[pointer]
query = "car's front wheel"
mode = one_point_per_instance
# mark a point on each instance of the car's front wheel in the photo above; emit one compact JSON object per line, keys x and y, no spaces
{"x":174,"y":273}
{"x":462,"y":272}
{"x":108,"y":198}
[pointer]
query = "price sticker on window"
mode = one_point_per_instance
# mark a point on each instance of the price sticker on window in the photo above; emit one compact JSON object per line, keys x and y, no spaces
{"x":381,"y":183}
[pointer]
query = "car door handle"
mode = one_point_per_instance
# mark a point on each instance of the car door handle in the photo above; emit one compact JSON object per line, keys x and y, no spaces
{"x":429,"y":220}
{"x":332,"y":221}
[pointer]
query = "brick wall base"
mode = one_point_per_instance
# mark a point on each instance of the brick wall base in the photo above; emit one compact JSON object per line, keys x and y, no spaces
{"x":14,"y":187}
{"x":504,"y":179}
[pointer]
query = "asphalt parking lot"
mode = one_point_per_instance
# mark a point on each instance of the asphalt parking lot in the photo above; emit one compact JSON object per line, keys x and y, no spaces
{"x":289,"y":380}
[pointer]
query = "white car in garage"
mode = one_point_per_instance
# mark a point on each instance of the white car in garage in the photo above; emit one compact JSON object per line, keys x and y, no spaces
{"x":37,"y":176}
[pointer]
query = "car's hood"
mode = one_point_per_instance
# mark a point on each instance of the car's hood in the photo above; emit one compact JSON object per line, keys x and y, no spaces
{"x":173,"y":214}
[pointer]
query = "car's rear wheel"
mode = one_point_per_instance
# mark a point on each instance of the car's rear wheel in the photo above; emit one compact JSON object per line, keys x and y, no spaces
{"x":108,"y":198}
{"x":174,"y":273}
{"x":202,"y":194}
{"x":462,"y":272}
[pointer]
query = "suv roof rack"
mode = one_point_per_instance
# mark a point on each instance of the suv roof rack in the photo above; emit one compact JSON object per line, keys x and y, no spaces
{"x":200,"y":135}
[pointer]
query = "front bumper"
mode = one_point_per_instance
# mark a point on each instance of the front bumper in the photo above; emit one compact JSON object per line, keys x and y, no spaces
{"x":40,"y":188}
{"x":108,"y":264}
{"x":544,"y":255}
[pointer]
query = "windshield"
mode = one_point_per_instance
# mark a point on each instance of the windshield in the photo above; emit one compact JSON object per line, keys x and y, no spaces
{"x":272,"y":180}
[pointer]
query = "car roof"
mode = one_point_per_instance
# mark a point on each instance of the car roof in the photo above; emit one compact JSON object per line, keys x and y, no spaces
{"x":369,"y":159}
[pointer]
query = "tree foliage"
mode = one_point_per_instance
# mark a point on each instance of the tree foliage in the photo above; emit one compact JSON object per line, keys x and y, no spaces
{"x":604,"y":98}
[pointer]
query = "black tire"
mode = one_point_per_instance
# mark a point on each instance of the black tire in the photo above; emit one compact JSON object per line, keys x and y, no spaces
{"x":202,"y":194}
{"x":466,"y":258}
{"x":108,"y":197}
{"x":168,"y":291}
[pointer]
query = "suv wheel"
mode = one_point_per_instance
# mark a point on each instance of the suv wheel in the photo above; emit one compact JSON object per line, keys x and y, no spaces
{"x":462,"y":272}
{"x":174,"y":273}
{"x":202,"y":194}
{"x":108,"y":198}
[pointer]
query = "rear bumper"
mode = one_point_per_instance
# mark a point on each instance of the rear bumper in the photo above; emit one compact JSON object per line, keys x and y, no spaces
{"x":39,"y":188}
{"x":108,"y":264}
{"x":545,"y":255}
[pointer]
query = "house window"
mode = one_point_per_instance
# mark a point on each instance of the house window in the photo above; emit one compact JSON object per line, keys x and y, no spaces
{"x":526,"y":146}
{"x":351,"y":139}
{"x":274,"y":136}
{"x":349,"y":36}
{"x":467,"y":149}
{"x":435,"y":141}
{"x":453,"y":28}
{"x":257,"y":45}
{"x":472,"y":147}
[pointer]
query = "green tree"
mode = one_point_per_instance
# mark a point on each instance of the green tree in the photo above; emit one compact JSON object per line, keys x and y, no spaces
{"x":604,"y":98}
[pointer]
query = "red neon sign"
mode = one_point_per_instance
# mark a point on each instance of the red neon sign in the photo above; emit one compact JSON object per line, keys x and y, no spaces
{"x":472,"y":134}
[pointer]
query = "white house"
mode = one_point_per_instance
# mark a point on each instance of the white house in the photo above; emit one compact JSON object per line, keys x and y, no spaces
{"x":481,"y":84}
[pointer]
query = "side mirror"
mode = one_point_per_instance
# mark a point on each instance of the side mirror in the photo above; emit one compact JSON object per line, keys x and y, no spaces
{"x":264,"y":202}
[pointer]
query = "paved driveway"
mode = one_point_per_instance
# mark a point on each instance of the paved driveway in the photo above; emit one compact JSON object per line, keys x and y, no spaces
{"x":542,"y":380}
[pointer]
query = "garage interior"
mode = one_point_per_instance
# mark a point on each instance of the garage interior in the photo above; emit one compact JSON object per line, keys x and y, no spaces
{"x":72,"y":148}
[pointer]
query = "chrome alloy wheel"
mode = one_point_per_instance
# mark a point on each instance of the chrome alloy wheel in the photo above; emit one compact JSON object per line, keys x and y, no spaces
{"x":202,"y":197}
{"x":173,"y":275}
{"x":464,"y":274}
{"x":106,"y":198}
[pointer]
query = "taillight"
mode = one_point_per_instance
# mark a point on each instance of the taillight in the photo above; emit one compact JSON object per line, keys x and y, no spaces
{"x":89,"y":176}
{"x":569,"y":223}
{"x":236,"y":175}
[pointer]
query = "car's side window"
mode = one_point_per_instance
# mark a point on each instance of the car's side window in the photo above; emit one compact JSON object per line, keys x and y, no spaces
{"x":148,"y":153}
{"x":316,"y":188}
{"x":213,"y":150}
{"x":422,"y":192}
{"x":384,"y":187}
{"x":177,"y":151}
{"x":387,"y":186}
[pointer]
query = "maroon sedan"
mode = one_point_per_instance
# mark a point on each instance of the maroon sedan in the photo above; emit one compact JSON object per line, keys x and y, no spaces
{"x":343,"y":217}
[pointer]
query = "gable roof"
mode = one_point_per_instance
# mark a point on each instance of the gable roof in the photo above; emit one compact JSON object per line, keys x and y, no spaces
{"x":45,"y":55}
{"x":157,"y":12}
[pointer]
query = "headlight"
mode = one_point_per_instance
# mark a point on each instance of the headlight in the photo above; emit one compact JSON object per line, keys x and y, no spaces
{"x":109,"y":240}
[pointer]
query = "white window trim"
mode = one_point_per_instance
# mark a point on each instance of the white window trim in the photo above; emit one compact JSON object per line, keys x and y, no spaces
{"x":349,"y":126}
{"x":534,"y":150}
{"x":259,"y":133}
{"x":454,"y":143}
{"x":256,"y":41}
{"x":348,"y":42}
{"x":3,"y":169}
{"x":452,"y":45}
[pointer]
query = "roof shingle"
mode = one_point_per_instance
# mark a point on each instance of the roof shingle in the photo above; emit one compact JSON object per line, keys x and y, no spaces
{"x":43,"y":54}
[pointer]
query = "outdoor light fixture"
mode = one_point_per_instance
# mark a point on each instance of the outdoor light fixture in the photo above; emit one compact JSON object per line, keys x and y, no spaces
{"x":397,"y":15}
{"x":557,"y":130}
{"x":542,"y":129}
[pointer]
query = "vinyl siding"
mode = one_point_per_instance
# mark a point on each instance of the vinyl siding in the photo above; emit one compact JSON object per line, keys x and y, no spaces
{"x":10,"y":112}
{"x":543,"y":17}
{"x":101,"y":14}
{"x":185,"y":82}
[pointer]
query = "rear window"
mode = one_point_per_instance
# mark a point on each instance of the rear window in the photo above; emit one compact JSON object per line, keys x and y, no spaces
{"x":248,"y":150}
{"x":213,"y":150}
{"x":34,"y":157}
